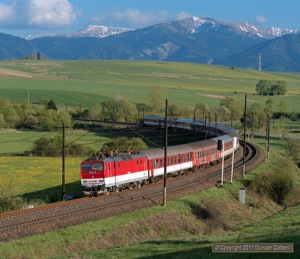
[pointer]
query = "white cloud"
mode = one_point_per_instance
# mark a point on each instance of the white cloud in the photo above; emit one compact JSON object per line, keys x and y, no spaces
{"x":37,"y":14}
{"x":132,"y":18}
{"x":182,"y":15}
{"x":6,"y":12}
{"x":260,"y":19}
{"x":50,"y":13}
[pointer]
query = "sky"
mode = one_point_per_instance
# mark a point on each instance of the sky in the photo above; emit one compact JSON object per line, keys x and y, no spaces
{"x":44,"y":17}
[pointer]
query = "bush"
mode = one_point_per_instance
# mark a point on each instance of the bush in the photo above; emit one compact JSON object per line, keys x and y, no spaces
{"x":277,"y":182}
{"x":8,"y":199}
{"x":53,"y":148}
{"x":125,"y":144}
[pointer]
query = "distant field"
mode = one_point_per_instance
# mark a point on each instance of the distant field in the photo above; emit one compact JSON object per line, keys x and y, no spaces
{"x":86,"y":83}
{"x":13,"y":142}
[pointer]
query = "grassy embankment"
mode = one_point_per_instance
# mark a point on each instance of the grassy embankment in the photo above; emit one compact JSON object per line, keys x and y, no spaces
{"x":184,"y":229}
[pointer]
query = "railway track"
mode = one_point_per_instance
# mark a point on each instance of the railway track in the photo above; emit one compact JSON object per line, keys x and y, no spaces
{"x":63,"y":214}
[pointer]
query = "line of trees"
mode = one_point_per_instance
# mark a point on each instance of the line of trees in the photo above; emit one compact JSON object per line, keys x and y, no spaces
{"x":43,"y":116}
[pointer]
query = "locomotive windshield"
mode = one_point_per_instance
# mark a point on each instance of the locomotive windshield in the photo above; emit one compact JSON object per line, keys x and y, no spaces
{"x":86,"y":167}
{"x":98,"y":166}
{"x":89,"y":167}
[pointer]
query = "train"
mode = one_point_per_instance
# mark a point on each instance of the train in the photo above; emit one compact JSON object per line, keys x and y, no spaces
{"x":101,"y":174}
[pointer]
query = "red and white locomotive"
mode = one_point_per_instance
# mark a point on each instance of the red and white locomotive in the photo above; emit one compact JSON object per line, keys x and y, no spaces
{"x":101,"y":175}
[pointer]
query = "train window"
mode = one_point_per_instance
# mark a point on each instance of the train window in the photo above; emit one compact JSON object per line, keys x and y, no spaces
{"x":86,"y":167}
{"x":178,"y":158}
{"x":160,"y":163}
{"x":156,"y":163}
{"x":141,"y":161}
{"x":119,"y":165}
{"x":98,"y":166}
{"x":169,"y":161}
{"x":137,"y":162}
{"x":175,"y":160}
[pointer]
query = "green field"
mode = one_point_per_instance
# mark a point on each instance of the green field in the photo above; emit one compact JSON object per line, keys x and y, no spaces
{"x":16,"y":142}
{"x":85,"y":83}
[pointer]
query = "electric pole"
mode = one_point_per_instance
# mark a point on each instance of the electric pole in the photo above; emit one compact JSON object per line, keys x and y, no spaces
{"x":244,"y":150}
{"x":165,"y":155}
{"x":63,"y":162}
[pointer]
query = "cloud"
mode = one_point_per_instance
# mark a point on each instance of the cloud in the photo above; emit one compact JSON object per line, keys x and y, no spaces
{"x":42,"y":14}
{"x":260,"y":19}
{"x":182,"y":15}
{"x":132,"y":18}
{"x":50,"y":13}
{"x":6,"y":12}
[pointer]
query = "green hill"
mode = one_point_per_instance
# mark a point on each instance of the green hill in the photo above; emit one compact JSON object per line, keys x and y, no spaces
{"x":89,"y":82}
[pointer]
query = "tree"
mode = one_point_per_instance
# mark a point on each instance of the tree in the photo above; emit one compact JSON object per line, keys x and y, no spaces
{"x":110,"y":110}
{"x":259,"y":116}
{"x":50,"y":120}
{"x":128,"y":110}
{"x":200,"y":110}
{"x":282,"y":107}
{"x":267,"y":87}
{"x":173,"y":110}
{"x":269,"y":106}
{"x":281,"y":87}
{"x":51,"y":105}
{"x":94,"y":112}
{"x":124,"y":144}
{"x":156,"y":100}
{"x":263,"y":87}
{"x":31,"y":122}
{"x":47,"y":147}
{"x":38,"y":56}
{"x":293,"y":149}
{"x":235,"y":107}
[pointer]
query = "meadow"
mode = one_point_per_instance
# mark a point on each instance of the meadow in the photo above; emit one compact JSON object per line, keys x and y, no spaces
{"x":85,"y":83}
{"x":137,"y":234}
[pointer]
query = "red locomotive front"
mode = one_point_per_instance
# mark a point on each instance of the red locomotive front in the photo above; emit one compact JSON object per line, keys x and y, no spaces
{"x":92,"y":176}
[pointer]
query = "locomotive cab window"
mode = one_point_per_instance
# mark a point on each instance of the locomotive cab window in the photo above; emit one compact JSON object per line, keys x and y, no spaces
{"x":86,"y":167}
{"x":98,"y":166}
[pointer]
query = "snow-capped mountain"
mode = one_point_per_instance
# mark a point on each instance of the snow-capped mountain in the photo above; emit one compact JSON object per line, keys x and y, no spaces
{"x":37,"y":36}
{"x":97,"y":31}
{"x":191,"y":25}
{"x":195,"y":39}
{"x":197,"y":24}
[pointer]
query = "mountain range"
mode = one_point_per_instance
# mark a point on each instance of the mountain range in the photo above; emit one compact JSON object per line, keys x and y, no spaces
{"x":195,"y":39}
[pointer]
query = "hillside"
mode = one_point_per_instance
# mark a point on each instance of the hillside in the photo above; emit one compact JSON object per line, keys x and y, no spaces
{"x":88,"y":82}
{"x":284,"y":49}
